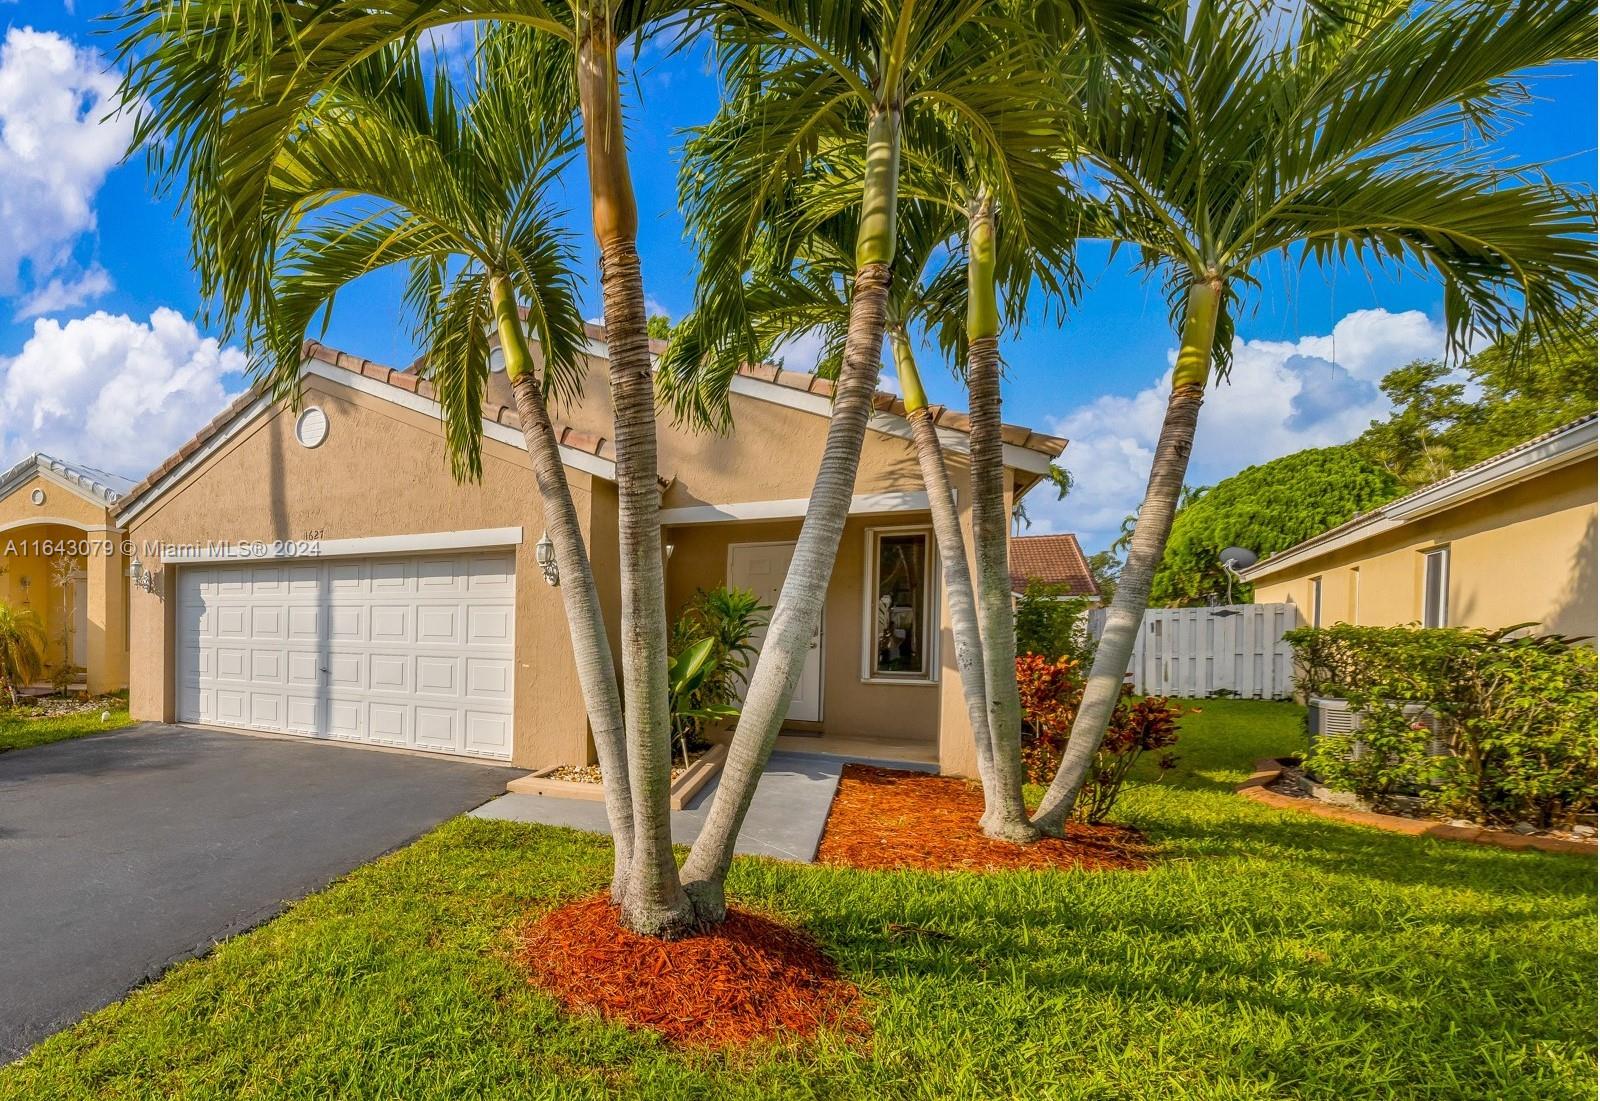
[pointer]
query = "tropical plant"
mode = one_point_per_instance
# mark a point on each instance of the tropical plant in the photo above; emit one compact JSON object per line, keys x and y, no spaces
{"x":712,"y":648}
{"x":1050,"y":692}
{"x":1352,"y":135}
{"x":1051,"y":623}
{"x":22,"y":643}
{"x":840,"y":93}
{"x":1266,"y":509}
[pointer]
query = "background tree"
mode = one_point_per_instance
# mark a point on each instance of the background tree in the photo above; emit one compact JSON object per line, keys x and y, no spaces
{"x":1356,"y":138}
{"x":1264,"y":508}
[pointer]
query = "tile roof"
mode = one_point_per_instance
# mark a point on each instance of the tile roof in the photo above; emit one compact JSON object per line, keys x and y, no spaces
{"x":1449,"y":483}
{"x":806,"y":383}
{"x":1052,"y":559}
{"x":401,"y":380}
{"x":102,"y":485}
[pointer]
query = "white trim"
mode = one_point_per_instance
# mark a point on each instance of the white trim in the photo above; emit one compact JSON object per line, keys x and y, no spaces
{"x":419,"y":543}
{"x":578,"y":460}
{"x":61,"y":520}
{"x":860,"y":504}
{"x":128,"y":510}
{"x":1567,"y":446}
{"x":133,"y":507}
{"x":869,"y":613}
{"x":1020,"y":458}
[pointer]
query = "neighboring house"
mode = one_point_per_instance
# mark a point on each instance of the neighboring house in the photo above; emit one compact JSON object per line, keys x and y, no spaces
{"x":62,"y":558}
{"x":1509,"y":540}
{"x":388,"y":604}
{"x":1055,"y":560}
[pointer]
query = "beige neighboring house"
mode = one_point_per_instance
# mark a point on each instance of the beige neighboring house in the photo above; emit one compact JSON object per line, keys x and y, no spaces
{"x":1509,"y":540}
{"x":61,"y":557}
{"x":384,"y":603}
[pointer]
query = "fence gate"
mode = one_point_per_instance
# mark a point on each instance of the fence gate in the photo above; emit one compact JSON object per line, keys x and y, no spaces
{"x":1237,"y":649}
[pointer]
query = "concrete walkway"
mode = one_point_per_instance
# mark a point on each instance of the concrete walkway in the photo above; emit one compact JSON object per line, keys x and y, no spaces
{"x":785,"y":820}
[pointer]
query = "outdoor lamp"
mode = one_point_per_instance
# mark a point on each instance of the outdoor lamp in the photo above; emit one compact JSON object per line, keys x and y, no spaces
{"x":544,"y":552}
{"x":141,"y":577}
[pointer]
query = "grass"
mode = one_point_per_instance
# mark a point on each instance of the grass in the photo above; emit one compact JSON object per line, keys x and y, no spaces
{"x":21,"y":729}
{"x":1268,"y":954}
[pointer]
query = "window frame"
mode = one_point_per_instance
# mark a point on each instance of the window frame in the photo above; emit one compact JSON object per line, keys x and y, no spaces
{"x":1441,"y":555}
{"x":931,"y":630}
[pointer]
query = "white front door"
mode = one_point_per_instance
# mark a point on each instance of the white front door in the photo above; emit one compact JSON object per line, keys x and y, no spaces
{"x":762,"y":568}
{"x":414,"y":652}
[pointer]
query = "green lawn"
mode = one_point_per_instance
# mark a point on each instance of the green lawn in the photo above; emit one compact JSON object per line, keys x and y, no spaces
{"x":21,"y":730}
{"x":1268,"y":954}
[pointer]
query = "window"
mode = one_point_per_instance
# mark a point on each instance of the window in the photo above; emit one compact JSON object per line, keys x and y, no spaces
{"x":1316,"y":602}
{"x":899,"y":613}
{"x":1436,"y":588}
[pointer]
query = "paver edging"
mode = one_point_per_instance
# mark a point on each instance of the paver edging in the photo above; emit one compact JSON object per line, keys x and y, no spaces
{"x":683,"y":790}
{"x":1268,"y":770}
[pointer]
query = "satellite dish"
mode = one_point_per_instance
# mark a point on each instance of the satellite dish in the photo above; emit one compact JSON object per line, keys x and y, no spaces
{"x":1237,"y":558}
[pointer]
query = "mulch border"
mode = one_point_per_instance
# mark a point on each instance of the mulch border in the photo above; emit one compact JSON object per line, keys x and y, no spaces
{"x":1268,"y":770}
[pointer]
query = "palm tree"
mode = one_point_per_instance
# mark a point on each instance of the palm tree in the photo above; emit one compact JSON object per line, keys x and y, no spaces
{"x":22,"y":643}
{"x":394,"y":167}
{"x":221,"y":86}
{"x":1355,"y":138}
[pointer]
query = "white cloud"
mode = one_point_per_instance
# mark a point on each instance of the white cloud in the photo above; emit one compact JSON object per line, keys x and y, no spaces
{"x":64,"y":294}
{"x":56,"y":146}
{"x":800,"y":353}
{"x":110,"y":391}
{"x":1280,"y":397}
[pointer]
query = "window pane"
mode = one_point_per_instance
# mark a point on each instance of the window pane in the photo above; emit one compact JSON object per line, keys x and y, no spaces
{"x":901,"y":613}
{"x":1435,"y":588}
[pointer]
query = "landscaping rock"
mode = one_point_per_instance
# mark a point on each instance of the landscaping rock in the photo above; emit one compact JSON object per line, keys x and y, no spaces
{"x":1583,"y":831}
{"x":1464,"y":823}
{"x":1525,"y":828}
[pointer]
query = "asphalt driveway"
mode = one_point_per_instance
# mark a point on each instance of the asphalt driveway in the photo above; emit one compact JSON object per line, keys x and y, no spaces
{"x":123,"y":853}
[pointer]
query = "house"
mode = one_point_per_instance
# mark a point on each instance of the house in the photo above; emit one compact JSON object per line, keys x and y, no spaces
{"x":61,"y":557}
{"x":1055,"y":560}
{"x":318,"y":570}
{"x":1510,"y":540}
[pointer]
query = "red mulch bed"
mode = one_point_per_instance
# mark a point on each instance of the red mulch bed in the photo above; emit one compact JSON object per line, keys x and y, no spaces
{"x":887,"y":818}
{"x":751,"y":978}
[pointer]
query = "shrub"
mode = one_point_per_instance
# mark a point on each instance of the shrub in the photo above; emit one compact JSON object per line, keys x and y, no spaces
{"x":1052,"y":625}
{"x":1050,"y":692}
{"x":710,"y":652}
{"x":22,"y":643}
{"x":1515,"y":715}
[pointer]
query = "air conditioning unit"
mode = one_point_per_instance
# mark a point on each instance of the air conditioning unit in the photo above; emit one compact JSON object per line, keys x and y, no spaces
{"x":1331,"y":715}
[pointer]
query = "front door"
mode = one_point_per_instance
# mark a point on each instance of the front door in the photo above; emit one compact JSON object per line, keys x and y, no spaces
{"x":80,"y":621}
{"x":762,"y":568}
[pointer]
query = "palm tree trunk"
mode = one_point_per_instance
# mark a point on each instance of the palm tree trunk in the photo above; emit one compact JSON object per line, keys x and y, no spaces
{"x":799,"y":609}
{"x":991,"y":532}
{"x":952,"y":557}
{"x":654,"y":901}
{"x":597,"y":677}
{"x":1149,"y":543}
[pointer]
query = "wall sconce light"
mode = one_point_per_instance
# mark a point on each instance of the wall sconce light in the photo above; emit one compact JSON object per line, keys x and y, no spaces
{"x":141,"y":577}
{"x":544,"y":552}
{"x":670,"y":548}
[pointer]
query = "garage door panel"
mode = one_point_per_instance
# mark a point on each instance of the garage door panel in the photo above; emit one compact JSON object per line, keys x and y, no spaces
{"x":436,"y":728}
{"x":267,"y":666}
{"x":391,"y":623}
{"x":390,"y":672}
{"x":410,"y":651}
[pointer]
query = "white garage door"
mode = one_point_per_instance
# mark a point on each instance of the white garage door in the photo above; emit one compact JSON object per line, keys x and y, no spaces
{"x":413,"y":652}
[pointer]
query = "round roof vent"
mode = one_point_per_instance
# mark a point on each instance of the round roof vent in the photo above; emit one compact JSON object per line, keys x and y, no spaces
{"x":312,"y":427}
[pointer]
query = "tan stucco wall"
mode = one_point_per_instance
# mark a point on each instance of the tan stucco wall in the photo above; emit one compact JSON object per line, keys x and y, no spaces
{"x":851,"y":707}
{"x":381,"y":471}
{"x":1523,"y":554}
{"x":771,"y":455}
{"x":84,"y":525}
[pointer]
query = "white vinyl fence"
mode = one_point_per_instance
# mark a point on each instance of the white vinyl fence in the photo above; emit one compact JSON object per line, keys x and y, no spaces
{"x":1237,"y":649}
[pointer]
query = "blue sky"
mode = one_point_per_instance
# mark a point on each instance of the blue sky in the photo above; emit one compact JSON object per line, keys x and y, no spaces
{"x":105,"y":359}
